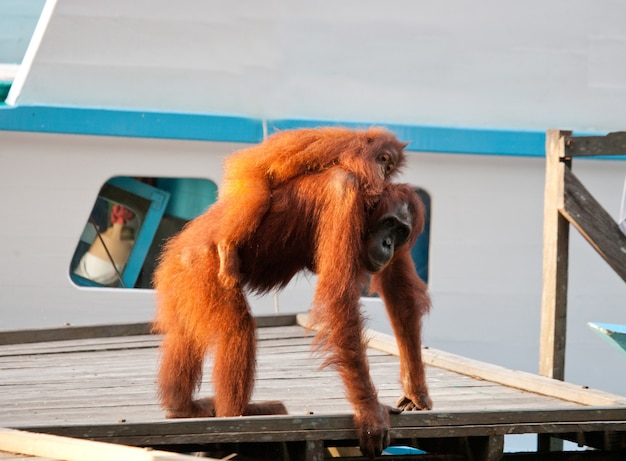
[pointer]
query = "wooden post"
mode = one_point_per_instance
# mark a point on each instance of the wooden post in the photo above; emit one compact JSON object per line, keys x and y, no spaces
{"x":555,"y":260}
{"x":314,"y":450}
{"x":486,"y":448}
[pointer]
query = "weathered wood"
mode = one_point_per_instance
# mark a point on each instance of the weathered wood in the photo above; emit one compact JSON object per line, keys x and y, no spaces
{"x":39,"y":335}
{"x":4,"y":456}
{"x":275,"y":320}
{"x":586,"y":146}
{"x":101,"y":389}
{"x":70,"y":332}
{"x":69,"y":449}
{"x":586,"y":214}
{"x":111,"y":385}
{"x":567,"y":201}
{"x":488,"y":448}
{"x":314,"y":450}
{"x":494,"y":373}
{"x":555,"y":261}
{"x":80,"y":345}
{"x":341,"y":427}
{"x":547,"y":444}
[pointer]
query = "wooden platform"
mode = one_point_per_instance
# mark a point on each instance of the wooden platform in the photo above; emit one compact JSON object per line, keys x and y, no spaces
{"x":103,"y":389}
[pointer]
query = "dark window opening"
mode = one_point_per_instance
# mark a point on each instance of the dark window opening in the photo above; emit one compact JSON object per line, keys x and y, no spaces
{"x":128,"y":224}
{"x":420,"y":251}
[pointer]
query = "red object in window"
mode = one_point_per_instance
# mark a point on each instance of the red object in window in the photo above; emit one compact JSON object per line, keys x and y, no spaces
{"x":120,"y":215}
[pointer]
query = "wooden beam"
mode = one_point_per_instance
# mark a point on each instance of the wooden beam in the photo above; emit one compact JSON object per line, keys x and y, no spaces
{"x":296,"y":428}
{"x":487,"y":448}
{"x":70,"y":449}
{"x":275,"y":320}
{"x":555,"y":261}
{"x":70,"y":332}
{"x":314,"y":450}
{"x":494,"y":373}
{"x":497,"y":374}
{"x":587,"y":146}
{"x":583,"y":211}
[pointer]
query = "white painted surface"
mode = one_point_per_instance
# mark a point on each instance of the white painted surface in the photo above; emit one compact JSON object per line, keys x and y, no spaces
{"x":531,"y":64}
{"x":17,"y":22}
{"x":31,"y":52}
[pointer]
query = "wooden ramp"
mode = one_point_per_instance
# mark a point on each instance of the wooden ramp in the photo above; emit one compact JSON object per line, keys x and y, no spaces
{"x":102,"y":388}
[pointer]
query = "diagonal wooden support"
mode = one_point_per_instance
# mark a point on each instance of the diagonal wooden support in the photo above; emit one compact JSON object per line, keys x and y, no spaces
{"x":583,"y":211}
{"x":568,"y":201}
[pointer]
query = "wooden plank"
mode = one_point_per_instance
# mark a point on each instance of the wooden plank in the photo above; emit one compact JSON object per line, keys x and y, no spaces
{"x":114,"y":391}
{"x":275,"y":320}
{"x":299,"y":401}
{"x":314,"y":450}
{"x":332,"y":404}
{"x":488,"y":448}
{"x":586,"y":146}
{"x":79,"y":345}
{"x":114,"y":388}
{"x":586,"y":214}
{"x":68,"y":449}
{"x":341,"y":427}
{"x":512,"y":378}
{"x":70,"y":332}
{"x":555,"y":261}
{"x":4,"y":456}
{"x":38,"y":335}
{"x":494,"y":373}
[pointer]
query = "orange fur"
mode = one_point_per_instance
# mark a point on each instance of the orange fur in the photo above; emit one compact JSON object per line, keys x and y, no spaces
{"x":317,"y":222}
{"x":252,"y":174}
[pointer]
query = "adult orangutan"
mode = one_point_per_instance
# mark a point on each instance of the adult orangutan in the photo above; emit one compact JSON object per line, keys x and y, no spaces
{"x":318,"y":222}
{"x":372,"y":155}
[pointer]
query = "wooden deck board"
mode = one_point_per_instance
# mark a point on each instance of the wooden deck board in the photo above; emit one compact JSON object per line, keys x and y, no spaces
{"x":70,"y":380}
{"x":105,"y":388}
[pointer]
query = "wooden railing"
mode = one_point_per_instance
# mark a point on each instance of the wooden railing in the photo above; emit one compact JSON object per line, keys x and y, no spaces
{"x":567,"y":202}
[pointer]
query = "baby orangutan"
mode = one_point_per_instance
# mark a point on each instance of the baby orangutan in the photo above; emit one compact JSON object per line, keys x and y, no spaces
{"x":373,"y":156}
